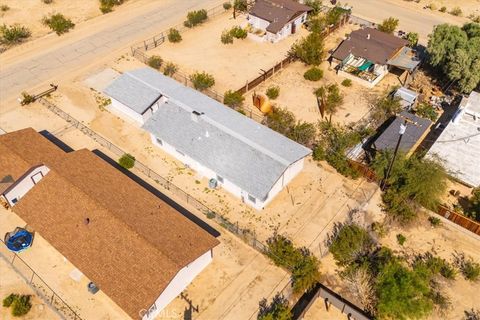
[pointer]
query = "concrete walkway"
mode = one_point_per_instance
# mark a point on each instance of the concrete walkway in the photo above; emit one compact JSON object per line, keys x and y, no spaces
{"x":88,"y":43}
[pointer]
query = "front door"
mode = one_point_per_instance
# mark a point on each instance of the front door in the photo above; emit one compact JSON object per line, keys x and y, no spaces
{"x":294,"y":28}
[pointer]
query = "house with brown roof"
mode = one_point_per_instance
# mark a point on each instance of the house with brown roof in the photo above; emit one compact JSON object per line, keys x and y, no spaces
{"x":277,"y":19}
{"x":368,"y":54}
{"x":139,"y":250}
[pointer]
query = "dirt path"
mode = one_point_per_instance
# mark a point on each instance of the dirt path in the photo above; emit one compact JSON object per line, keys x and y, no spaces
{"x":52,"y":57}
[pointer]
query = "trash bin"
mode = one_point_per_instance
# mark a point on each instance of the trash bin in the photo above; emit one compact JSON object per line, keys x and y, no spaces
{"x":92,"y":288}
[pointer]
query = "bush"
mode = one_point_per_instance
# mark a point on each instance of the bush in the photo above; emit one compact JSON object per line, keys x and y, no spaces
{"x":21,"y":306}
{"x":456,"y":11}
{"x":127,"y":161}
{"x":427,"y":111}
{"x":278,"y":309}
{"x":174,"y":35}
{"x":313,"y":74}
{"x":4,"y":7}
{"x":195,"y":18}
{"x":309,"y":50}
{"x":401,"y":239}
{"x":58,"y":23}
{"x":107,"y":5}
{"x":443,"y":9}
{"x":13,"y":34}
{"x":434,"y":221}
{"x":238,"y":32}
{"x":319,"y":153}
{"x":155,"y":62}
{"x":347,"y":83}
{"x":233,"y":99}
{"x":388,"y":25}
{"x":226,"y":37}
{"x":412,"y":38}
{"x":170,"y":69}
{"x":273,"y":92}
{"x":47,"y":1}
{"x":202,"y":81}
{"x":27,"y":98}
{"x":434,"y":266}
{"x":7,"y":302}
{"x":468,"y":267}
{"x":227,"y":5}
{"x":349,"y":243}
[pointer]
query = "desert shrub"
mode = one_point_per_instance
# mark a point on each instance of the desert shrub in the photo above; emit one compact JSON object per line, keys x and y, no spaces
{"x":347,"y":83}
{"x":202,"y":80}
{"x":13,"y":34}
{"x":7,"y":302}
{"x":434,"y":221}
{"x":273,"y":92}
{"x":401,"y":239}
{"x":385,"y":107}
{"x":443,"y":9}
{"x":280,"y":120}
{"x":238,"y":32}
{"x":472,"y":314}
{"x":278,"y":309}
{"x":4,"y":7}
{"x":27,"y":98}
{"x":319,"y":153}
{"x":240,"y":5}
{"x":434,"y":265}
{"x":304,"y":133}
{"x":233,"y":99}
{"x":427,"y":111}
{"x":21,"y":306}
{"x":227,"y":5}
{"x":473,"y":209}
{"x":170,"y":69}
{"x":58,"y":23}
{"x":469,"y":268}
{"x":388,"y":25}
{"x":155,"y":62}
{"x":432,"y":6}
{"x":47,"y":1}
{"x":309,"y":49}
{"x":226,"y":37}
{"x":174,"y":35}
{"x":195,"y":18}
{"x":349,"y":243}
{"x":127,"y":161}
{"x":313,"y":74}
{"x":456,"y":11}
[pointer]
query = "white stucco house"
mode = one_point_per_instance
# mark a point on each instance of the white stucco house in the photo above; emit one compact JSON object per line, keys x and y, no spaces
{"x":458,"y":146}
{"x":244,"y":157}
{"x":277,"y":18}
{"x":137,"y":249}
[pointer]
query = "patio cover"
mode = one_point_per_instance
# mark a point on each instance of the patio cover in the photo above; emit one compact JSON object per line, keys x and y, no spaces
{"x":365,"y":65}
{"x":405,"y":60}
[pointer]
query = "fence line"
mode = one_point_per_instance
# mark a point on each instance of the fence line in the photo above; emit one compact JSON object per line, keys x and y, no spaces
{"x":38,"y":285}
{"x":459,"y":219}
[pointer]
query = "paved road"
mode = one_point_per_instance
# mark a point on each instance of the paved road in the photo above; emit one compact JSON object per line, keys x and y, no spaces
{"x":22,"y":75}
{"x":410,"y":18}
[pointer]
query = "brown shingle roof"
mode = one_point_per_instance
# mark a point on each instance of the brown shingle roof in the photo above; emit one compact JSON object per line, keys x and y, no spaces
{"x":379,"y":48}
{"x":134,"y":243}
{"x":278,"y":12}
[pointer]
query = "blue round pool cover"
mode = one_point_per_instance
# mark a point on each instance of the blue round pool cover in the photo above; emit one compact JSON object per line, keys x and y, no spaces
{"x":18,"y":240}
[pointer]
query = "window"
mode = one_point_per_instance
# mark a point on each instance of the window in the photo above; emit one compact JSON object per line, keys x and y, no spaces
{"x":252,"y":199}
{"x":219,"y":178}
{"x":160,"y":142}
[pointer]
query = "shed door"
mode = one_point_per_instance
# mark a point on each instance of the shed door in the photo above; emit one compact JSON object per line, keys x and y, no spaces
{"x":294,"y":28}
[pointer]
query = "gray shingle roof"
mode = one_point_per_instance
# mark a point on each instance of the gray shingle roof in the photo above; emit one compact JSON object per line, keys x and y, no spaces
{"x":388,"y":139}
{"x":239,"y":149}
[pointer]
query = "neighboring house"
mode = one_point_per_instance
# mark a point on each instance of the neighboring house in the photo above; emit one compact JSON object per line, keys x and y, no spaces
{"x":368,"y":54}
{"x":458,"y":146}
{"x":246,"y":158}
{"x":416,"y":130}
{"x":408,"y":98}
{"x":139,"y":250}
{"x":277,"y":19}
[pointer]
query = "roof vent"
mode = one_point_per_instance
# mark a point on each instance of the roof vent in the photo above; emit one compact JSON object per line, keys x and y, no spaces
{"x":195,"y":115}
{"x":87,"y":221}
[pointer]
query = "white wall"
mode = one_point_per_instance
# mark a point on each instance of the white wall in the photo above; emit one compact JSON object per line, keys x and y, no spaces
{"x":283,"y":33}
{"x":258,"y":23}
{"x":125,"y":112}
{"x":21,"y":187}
{"x":183,"y":278}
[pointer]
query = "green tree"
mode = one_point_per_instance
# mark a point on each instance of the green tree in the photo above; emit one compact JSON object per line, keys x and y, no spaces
{"x":388,"y":25}
{"x":473,"y":210}
{"x":280,"y":120}
{"x":385,"y":107}
{"x":127,"y":161}
{"x":330,"y":98}
{"x":412,"y":38}
{"x":402,"y":293}
{"x":305,"y":274}
{"x":309,"y":49}
{"x":304,"y":133}
{"x":334,"y":15}
{"x":316,"y":6}
{"x":278,"y":309}
{"x":155,"y":62}
{"x":202,"y":80}
{"x":350,"y":243}
{"x":233,"y":99}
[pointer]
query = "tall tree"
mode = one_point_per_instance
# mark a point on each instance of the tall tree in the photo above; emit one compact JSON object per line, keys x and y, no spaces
{"x":309,"y":49}
{"x":330,"y":99}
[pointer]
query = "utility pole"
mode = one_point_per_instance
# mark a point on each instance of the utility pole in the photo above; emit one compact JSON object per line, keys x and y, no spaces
{"x":403,"y":127}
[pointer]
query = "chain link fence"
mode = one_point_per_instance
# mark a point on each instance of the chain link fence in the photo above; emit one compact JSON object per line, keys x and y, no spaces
{"x":38,"y":284}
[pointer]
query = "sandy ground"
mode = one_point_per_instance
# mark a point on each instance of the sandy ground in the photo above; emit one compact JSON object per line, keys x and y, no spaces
{"x":467,"y":6}
{"x":11,"y":282}
{"x":232,"y":65}
{"x":30,"y":13}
